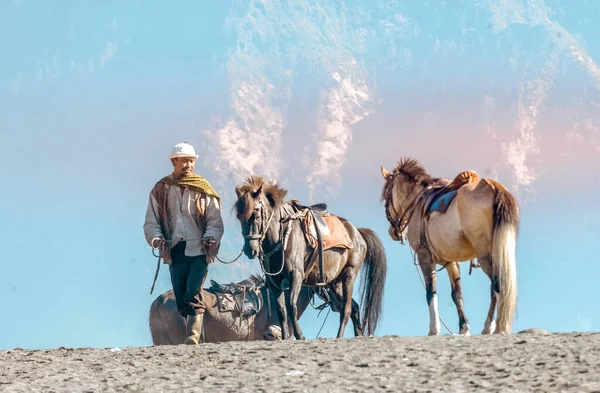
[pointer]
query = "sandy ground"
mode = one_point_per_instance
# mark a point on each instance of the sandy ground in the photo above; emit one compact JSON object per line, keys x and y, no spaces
{"x":531,"y":362}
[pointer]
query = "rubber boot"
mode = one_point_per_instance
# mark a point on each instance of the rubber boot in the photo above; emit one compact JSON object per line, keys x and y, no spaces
{"x":194,"y":328}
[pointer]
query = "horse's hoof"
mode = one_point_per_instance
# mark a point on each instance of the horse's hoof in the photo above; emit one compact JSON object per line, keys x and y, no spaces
{"x":489,"y":328}
{"x":190,"y":341}
{"x":273,"y":333}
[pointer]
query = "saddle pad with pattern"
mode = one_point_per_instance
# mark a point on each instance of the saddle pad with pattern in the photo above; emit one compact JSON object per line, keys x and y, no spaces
{"x":246,"y":303}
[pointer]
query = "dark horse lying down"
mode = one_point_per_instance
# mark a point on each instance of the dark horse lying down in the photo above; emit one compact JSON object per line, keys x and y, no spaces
{"x":167,"y":326}
{"x":276,"y":231}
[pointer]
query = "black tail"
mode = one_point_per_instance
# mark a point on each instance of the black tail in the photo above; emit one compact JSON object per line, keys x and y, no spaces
{"x":373,"y":281}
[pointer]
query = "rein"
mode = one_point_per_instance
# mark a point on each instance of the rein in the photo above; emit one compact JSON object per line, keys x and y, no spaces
{"x":281,"y":245}
{"x":401,"y":224}
{"x":159,"y":257}
{"x":260,"y":236}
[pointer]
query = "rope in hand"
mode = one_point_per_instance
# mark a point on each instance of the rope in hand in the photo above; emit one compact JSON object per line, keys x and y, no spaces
{"x":159,"y":257}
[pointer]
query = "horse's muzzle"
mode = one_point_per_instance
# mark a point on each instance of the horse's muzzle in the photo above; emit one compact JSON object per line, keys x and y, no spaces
{"x":250,"y":252}
{"x":394,"y":234}
{"x":273,"y":333}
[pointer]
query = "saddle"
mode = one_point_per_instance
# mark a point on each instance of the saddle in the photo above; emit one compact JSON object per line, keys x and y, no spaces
{"x":322,"y":231}
{"x":440,"y":197}
{"x":244,"y":298}
{"x":318,"y":210}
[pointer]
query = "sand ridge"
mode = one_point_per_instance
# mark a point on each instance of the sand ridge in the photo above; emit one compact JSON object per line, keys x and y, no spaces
{"x":532,"y":362}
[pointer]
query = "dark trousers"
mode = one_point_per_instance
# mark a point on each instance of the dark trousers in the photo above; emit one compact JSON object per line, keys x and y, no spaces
{"x":187,"y":277}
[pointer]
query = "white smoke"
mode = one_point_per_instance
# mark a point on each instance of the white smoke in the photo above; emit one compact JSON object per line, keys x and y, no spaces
{"x":532,"y":95}
{"x":534,"y":92}
{"x":274,"y":38}
{"x":250,"y":141}
{"x":565,"y":41}
{"x":341,"y":108}
{"x":335,"y":43}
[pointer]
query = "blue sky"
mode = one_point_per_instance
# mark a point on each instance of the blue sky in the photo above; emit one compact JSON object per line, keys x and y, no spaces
{"x":93,"y":96}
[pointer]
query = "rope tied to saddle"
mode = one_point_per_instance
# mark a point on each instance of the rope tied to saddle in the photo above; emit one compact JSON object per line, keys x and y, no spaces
{"x":281,"y":245}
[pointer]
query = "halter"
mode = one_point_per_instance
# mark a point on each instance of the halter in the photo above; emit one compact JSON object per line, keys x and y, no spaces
{"x":401,"y":223}
{"x":262,"y":234}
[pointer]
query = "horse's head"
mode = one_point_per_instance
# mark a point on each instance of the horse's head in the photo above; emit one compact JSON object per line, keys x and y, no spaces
{"x":256,"y":209}
{"x":400,"y":189}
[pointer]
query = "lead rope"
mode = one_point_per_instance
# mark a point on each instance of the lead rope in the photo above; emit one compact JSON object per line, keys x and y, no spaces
{"x":159,"y":257}
{"x":325,"y":320}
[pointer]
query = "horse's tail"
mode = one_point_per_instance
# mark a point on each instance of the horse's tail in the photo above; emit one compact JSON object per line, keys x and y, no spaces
{"x":504,"y":236}
{"x":373,"y":281}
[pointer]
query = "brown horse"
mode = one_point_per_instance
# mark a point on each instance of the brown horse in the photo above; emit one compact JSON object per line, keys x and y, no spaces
{"x":451,"y":222}
{"x":278,"y":232}
{"x":167,"y":326}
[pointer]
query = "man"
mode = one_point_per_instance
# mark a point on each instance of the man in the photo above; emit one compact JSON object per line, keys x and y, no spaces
{"x":183,"y":221}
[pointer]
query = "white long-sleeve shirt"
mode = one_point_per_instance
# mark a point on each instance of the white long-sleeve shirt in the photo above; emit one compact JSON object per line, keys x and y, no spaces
{"x":184,"y":219}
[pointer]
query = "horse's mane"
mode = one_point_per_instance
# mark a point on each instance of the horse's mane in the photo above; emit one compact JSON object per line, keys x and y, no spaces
{"x":256,"y":279}
{"x":250,"y":189}
{"x":413,"y":171}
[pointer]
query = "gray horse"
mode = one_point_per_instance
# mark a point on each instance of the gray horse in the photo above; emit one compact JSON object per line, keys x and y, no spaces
{"x":278,"y":233}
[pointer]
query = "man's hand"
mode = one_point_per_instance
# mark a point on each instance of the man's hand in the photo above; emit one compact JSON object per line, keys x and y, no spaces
{"x":160,"y":244}
{"x":157,"y":242}
{"x":211,"y":247}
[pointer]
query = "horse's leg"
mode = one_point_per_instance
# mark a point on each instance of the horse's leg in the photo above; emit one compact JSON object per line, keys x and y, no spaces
{"x":336,"y":288}
{"x":453,"y":270}
{"x":346,"y":308}
{"x":281,"y":306}
{"x":486,"y":265}
{"x":295,"y":287}
{"x":428,"y":269}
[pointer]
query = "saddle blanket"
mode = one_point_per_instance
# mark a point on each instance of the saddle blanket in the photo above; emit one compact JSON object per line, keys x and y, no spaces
{"x":333,"y":232}
{"x":439,"y":198}
{"x":442,"y":202}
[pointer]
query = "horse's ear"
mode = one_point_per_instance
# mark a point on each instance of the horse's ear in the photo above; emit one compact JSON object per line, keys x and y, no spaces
{"x":275,"y":195}
{"x":238,"y":191}
{"x":384,"y":173}
{"x":256,"y":193}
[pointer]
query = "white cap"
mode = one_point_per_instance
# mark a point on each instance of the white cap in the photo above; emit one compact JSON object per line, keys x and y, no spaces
{"x":183,"y":150}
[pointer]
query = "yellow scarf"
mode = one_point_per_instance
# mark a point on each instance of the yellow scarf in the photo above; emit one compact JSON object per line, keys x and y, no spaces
{"x":193,"y":181}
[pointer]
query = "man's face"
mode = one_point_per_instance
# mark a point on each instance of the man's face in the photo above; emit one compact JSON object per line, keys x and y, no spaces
{"x":183,"y":166}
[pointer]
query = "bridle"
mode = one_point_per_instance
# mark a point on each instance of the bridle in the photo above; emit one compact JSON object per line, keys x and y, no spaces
{"x":262,"y":234}
{"x":401,"y":223}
